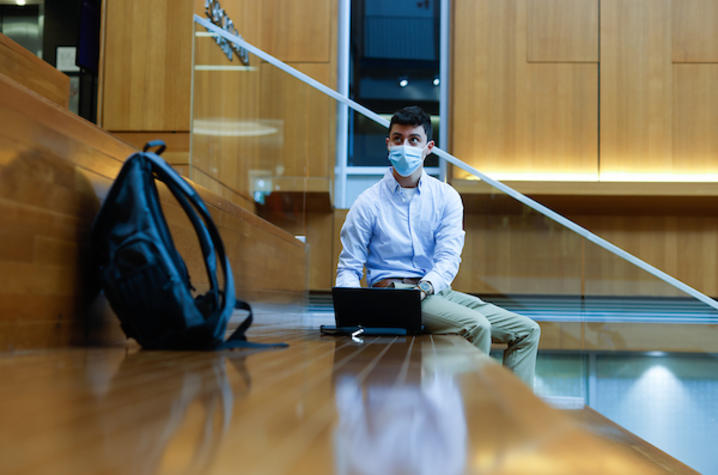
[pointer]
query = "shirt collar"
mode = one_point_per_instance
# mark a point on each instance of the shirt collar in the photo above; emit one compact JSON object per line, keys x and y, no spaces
{"x":394,"y":185}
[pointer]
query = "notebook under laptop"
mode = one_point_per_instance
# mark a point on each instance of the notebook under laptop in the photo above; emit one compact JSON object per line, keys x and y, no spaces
{"x":378,"y":308}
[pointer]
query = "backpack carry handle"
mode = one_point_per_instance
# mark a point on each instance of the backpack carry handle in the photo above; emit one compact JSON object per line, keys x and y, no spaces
{"x":155,"y":143}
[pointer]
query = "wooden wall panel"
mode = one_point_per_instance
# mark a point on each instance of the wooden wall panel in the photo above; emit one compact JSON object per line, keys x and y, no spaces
{"x":695,"y":115}
{"x":563,"y":30}
{"x":246,"y":16}
{"x":307,"y":119}
{"x":291,"y":31}
{"x":54,"y":170}
{"x":636,"y":87}
{"x":695,"y":30}
{"x":340,"y":215}
{"x":684,"y":247}
{"x":147,"y":48}
{"x":511,"y":116}
{"x":483,"y":117}
{"x":524,"y":254}
{"x":320,"y":234}
{"x":320,"y":112}
{"x":514,"y":119}
{"x":298,"y":31}
{"x":656,"y":113}
{"x":24,"y":67}
{"x":558,"y":126}
{"x":518,"y":253}
{"x":618,"y":336}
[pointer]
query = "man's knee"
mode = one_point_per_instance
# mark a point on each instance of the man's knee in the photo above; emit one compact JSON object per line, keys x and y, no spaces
{"x":533,"y":331}
{"x":477,"y":330}
{"x":472,"y":325}
{"x":480,"y":325}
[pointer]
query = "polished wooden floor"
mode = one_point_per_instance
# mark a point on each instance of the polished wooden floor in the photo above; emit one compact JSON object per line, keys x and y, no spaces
{"x":429,"y":404}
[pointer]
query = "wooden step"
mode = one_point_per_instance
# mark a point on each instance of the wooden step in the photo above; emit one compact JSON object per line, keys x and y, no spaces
{"x":608,"y":430}
{"x":18,"y":63}
{"x":427,"y":404}
{"x":55,"y":169}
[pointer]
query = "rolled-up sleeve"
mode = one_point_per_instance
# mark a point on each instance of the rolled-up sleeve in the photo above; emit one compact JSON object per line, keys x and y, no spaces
{"x":449,"y":238}
{"x":355,"y":236}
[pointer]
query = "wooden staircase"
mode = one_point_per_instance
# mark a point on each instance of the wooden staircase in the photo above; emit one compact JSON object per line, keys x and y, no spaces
{"x":55,"y":169}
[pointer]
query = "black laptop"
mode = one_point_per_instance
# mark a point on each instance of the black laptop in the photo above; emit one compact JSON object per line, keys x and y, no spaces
{"x":378,"y":308}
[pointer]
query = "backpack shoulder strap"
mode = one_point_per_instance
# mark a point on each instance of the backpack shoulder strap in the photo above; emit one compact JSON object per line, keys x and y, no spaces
{"x":206,"y":230}
{"x":238,"y":339}
{"x":189,"y":199}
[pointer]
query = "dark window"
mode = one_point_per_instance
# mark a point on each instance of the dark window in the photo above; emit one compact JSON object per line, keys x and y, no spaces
{"x":394,"y":62}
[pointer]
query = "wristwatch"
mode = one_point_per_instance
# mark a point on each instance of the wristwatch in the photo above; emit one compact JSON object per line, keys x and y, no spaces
{"x":426,"y":287}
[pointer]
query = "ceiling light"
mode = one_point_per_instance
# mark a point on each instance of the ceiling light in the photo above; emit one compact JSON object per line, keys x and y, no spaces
{"x":403,"y":82}
{"x":20,"y":2}
{"x":436,"y":81}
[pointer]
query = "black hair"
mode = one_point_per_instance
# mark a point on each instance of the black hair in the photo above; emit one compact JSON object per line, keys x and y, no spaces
{"x":412,"y":115}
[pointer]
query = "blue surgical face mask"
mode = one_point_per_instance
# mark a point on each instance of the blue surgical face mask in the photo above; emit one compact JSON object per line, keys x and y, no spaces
{"x":405,"y":159}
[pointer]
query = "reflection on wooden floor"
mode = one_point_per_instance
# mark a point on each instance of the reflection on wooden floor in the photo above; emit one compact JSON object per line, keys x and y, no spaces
{"x":429,"y":404}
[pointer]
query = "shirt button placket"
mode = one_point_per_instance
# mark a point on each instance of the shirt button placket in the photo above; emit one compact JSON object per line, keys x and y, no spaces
{"x":412,"y":220}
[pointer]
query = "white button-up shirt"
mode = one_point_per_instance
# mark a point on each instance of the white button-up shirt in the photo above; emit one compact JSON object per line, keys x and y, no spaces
{"x":398,"y":235}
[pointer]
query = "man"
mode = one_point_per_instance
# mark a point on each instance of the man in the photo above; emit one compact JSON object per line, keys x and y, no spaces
{"x":407,"y":230}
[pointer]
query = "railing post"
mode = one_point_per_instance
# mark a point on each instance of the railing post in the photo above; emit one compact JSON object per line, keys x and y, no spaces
{"x":340,"y":171}
{"x":444,"y":63}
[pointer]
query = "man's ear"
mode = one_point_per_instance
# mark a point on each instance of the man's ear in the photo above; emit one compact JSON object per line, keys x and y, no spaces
{"x":429,"y":146}
{"x":387,"y":143}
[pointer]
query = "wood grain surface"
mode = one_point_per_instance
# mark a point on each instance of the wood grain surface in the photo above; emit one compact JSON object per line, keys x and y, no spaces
{"x":563,"y":30}
{"x":324,"y":405}
{"x":514,"y":116}
{"x":32,"y":72}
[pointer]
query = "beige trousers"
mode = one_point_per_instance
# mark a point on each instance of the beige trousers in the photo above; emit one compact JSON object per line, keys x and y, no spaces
{"x":481,"y":323}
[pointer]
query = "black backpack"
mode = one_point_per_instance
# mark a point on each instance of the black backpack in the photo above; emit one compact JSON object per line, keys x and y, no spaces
{"x":144,"y":277}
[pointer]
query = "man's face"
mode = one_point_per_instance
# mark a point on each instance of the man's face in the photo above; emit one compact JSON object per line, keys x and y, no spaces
{"x":412,"y":135}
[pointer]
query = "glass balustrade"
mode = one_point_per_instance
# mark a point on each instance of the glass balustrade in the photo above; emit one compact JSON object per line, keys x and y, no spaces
{"x":616,"y":331}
